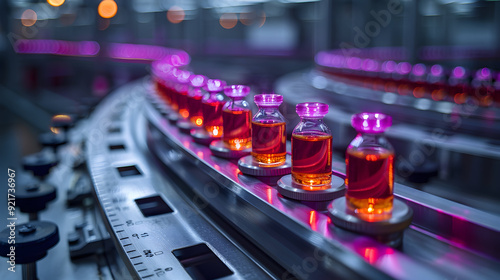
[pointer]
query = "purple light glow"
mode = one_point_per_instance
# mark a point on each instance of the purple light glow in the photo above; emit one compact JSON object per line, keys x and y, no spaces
{"x":354,"y":63}
{"x":236,"y":91}
{"x":437,"y":70}
{"x":312,"y":109}
{"x":58,"y":47}
{"x":370,"y":65}
{"x":268,"y":100}
{"x":148,"y":52}
{"x":483,"y":74}
{"x":404,"y":68}
{"x":389,"y":66}
{"x":371,"y":122}
{"x":458,"y":72}
{"x":419,"y":69}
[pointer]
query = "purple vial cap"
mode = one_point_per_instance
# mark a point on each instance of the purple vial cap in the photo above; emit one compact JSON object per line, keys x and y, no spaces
{"x":236,"y":91}
{"x":371,"y":122}
{"x":458,"y":72}
{"x":182,"y":76}
{"x":419,"y":69}
{"x":437,"y":70}
{"x":214,"y":85}
{"x":483,"y":73}
{"x":389,"y":66}
{"x":404,"y":68}
{"x":268,"y":100}
{"x":311,"y":109}
{"x":198,"y":81}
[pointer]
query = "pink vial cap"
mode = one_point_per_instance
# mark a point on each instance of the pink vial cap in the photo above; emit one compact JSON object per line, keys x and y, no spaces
{"x":459,"y":72}
{"x":268,"y":100}
{"x":235,"y":91}
{"x":371,"y":122}
{"x":311,"y":109}
{"x":214,"y":85}
{"x":183,"y":76}
{"x":198,"y":80}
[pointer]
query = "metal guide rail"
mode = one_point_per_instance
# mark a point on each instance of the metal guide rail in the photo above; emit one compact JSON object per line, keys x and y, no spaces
{"x":157,"y":234}
{"x":170,"y":201}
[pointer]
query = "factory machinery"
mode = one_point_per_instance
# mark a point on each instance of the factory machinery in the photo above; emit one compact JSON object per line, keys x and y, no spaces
{"x":165,"y":207}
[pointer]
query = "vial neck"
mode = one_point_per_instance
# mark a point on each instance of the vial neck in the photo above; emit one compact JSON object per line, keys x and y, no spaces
{"x":311,"y":119}
{"x":268,"y":109}
{"x":371,"y":134}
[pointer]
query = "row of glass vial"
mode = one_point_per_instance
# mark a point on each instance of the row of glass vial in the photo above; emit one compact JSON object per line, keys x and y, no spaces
{"x":369,"y":157}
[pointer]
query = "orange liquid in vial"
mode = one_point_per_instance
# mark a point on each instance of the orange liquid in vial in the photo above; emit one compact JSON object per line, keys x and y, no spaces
{"x":194,"y":106}
{"x":237,"y":129}
{"x":212,"y":116}
{"x":269,"y":143}
{"x":312,"y":161}
{"x":182,"y":101}
{"x":174,"y":100}
{"x":369,"y":180}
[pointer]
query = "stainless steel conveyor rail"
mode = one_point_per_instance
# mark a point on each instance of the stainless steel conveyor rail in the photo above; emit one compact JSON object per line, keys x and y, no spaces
{"x":445,"y":241}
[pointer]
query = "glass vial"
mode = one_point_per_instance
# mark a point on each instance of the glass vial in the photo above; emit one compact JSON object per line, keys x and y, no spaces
{"x":236,"y":118}
{"x":312,"y":148}
{"x":268,"y":131}
{"x":181,"y":90}
{"x":369,"y":168}
{"x":160,"y":73}
{"x":211,"y":107}
{"x":195,"y":95}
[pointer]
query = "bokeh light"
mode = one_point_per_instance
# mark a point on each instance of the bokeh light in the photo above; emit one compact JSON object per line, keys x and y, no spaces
{"x":247,"y":18}
{"x":228,"y":20}
{"x":56,"y":3}
{"x":262,"y":19}
{"x":176,"y":14}
{"x":107,"y":8}
{"x":29,"y":17}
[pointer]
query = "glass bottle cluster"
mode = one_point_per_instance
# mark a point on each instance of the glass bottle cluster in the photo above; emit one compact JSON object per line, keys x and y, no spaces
{"x":369,"y":157}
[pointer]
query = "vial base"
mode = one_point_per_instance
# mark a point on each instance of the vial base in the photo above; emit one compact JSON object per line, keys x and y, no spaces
{"x":371,"y":209}
{"x":312,"y":182}
{"x":214,"y":130}
{"x":197,"y":120}
{"x":269,"y":160}
{"x":238,"y":143}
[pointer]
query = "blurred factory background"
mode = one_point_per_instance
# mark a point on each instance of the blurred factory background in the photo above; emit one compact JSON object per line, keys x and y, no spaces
{"x":404,"y":57}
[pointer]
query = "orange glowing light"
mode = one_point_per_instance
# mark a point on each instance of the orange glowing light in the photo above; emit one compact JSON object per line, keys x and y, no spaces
{"x":55,"y":3}
{"x":486,"y":101}
{"x":371,"y":157}
{"x":370,"y":255}
{"x":215,"y":131}
{"x":55,"y":130}
{"x":312,"y":220}
{"x":228,"y":20}
{"x":437,"y":94}
{"x":418,"y":92}
{"x":107,"y":8}
{"x":262,"y":19}
{"x":184,"y":113}
{"x":370,"y":209}
{"x":29,"y":17}
{"x":269,"y":193}
{"x":57,"y":118}
{"x":246,"y":18}
{"x":176,"y":14}
{"x":460,"y":98}
{"x":198,"y":121}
